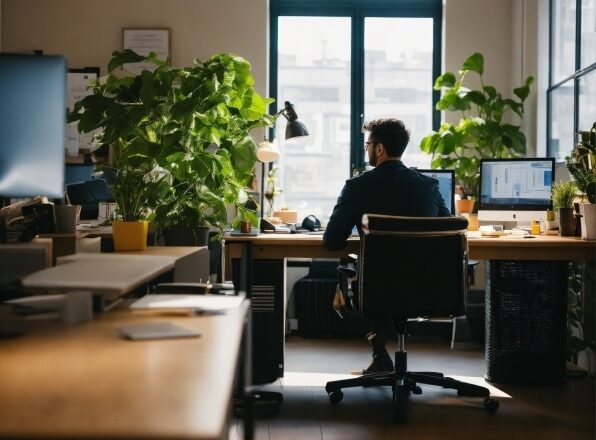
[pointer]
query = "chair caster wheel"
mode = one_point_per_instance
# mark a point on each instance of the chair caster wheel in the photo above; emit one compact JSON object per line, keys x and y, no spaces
{"x":417,"y":390}
{"x":491,"y":405}
{"x":336,"y":396}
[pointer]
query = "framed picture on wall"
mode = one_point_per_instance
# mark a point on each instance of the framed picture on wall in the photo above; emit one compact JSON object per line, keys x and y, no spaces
{"x":144,"y":41}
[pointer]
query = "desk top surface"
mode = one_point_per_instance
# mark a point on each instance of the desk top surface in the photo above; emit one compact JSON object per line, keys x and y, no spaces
{"x":541,"y":247}
{"x":58,"y":381}
{"x":317,"y":240}
{"x":110,"y":273}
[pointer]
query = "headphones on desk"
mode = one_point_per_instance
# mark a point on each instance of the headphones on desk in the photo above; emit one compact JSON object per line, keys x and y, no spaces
{"x":311,"y":223}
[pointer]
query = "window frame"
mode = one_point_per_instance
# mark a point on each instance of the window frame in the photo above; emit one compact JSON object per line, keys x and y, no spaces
{"x":358,"y":10}
{"x":574,"y":78}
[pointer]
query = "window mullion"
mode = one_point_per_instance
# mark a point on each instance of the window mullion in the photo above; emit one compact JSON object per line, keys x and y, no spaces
{"x":357,"y":87}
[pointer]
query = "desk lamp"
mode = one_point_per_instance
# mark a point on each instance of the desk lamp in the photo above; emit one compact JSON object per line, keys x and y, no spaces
{"x":268,"y":151}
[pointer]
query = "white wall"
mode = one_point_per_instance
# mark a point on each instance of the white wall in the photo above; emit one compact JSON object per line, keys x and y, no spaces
{"x":506,"y":33}
{"x":87,"y":31}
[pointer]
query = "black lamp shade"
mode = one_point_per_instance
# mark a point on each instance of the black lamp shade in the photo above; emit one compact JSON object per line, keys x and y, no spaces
{"x":295,"y":129}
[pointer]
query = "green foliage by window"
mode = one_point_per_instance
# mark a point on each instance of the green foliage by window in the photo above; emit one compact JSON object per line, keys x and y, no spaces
{"x":181,"y":136}
{"x":481,"y":132}
{"x":581,"y":163}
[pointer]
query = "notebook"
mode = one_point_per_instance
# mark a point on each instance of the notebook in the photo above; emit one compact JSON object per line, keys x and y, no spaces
{"x":155,"y":330}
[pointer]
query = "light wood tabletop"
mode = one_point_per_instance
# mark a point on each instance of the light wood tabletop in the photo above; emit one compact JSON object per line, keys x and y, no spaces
{"x":513,"y":248}
{"x":85,"y":381}
{"x":108,"y":274}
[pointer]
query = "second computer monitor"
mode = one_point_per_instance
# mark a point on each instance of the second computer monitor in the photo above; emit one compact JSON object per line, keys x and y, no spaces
{"x":515,"y":189}
{"x":446,"y":179}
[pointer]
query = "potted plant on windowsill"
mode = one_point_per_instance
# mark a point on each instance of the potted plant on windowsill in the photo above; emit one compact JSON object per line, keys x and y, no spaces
{"x":191,"y":124}
{"x":481,"y":131}
{"x":581,"y":164}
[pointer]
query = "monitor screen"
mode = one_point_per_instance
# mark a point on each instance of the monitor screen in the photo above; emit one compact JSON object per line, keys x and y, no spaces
{"x":32,"y":125}
{"x":516,"y":184}
{"x":75,"y":173}
{"x":446,"y":179}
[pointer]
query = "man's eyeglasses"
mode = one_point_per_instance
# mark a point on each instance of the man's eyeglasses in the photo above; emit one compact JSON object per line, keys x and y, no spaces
{"x":367,"y":143}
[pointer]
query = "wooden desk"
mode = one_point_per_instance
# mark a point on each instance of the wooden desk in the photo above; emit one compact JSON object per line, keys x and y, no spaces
{"x":114,"y":274}
{"x":110,"y":275}
{"x":280,"y":246}
{"x":85,"y":381}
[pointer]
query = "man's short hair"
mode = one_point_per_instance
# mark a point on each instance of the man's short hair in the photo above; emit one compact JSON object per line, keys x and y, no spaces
{"x":391,"y":132}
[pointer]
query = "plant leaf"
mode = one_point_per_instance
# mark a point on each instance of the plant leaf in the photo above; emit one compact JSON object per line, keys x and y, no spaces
{"x":475,"y":63}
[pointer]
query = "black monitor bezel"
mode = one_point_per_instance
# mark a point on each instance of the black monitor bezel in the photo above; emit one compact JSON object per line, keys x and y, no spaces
{"x":444,"y":171}
{"x":515,"y":207}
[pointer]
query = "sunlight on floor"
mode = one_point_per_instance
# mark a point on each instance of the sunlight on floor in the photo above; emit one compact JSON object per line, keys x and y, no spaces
{"x":292,"y":379}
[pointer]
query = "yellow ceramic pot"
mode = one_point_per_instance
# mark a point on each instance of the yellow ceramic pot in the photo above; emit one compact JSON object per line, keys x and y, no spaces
{"x":130,"y":236}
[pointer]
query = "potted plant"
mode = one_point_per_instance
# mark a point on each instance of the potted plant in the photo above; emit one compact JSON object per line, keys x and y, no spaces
{"x":481,"y":131}
{"x":563,"y":196}
{"x":130,"y":171}
{"x":188,"y":126}
{"x":582,"y":166}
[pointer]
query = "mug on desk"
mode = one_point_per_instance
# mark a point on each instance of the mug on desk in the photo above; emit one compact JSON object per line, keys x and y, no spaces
{"x":65,"y":218}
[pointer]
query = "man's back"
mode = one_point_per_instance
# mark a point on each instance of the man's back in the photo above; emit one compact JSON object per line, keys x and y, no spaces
{"x":392,"y":189}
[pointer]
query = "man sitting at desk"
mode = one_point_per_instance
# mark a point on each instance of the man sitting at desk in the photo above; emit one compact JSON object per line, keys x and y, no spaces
{"x":390,"y":188}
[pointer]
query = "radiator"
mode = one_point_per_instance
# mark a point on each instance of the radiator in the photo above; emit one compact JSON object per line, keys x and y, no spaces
{"x":313,"y":301}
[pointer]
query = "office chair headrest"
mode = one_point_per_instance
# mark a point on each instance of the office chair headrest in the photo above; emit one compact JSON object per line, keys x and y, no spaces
{"x":377,"y":222}
{"x":311,"y":223}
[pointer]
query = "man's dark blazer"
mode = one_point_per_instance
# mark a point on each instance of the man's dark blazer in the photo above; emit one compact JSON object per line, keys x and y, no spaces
{"x":391,"y":189}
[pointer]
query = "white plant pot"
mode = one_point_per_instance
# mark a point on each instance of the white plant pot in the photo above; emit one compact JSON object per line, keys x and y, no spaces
{"x":588,"y":220}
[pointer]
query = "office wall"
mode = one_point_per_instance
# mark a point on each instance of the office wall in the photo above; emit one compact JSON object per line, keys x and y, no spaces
{"x":87,"y":31}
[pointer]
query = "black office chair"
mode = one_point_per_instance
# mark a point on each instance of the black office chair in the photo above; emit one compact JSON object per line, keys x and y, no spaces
{"x":411,"y":267}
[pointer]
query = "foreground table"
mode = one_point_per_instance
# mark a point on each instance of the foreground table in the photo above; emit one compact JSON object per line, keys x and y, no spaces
{"x":85,"y":381}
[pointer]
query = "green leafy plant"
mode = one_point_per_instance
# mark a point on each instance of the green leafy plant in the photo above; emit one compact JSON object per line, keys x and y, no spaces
{"x":189,"y":128}
{"x":563,"y":194}
{"x":582,"y":164}
{"x":481,"y":132}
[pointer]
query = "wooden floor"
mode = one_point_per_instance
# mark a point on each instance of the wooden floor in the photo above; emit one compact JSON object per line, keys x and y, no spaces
{"x":550,"y":412}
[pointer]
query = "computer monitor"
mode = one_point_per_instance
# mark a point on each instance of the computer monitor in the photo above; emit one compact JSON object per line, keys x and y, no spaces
{"x":446,"y":179}
{"x":75,"y":173}
{"x":32,"y":125}
{"x":515,"y":189}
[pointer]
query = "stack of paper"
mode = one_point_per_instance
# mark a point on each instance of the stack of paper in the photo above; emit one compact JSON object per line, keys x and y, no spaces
{"x":186,"y":303}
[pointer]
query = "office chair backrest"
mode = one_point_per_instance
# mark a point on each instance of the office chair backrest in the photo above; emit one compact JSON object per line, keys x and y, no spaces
{"x":412,"y":266}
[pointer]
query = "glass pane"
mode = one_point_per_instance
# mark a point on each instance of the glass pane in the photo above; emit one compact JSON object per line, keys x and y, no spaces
{"x":398,"y":77}
{"x":588,"y":33}
{"x":314,"y":75}
{"x":561,"y":136}
{"x":587,"y":103}
{"x":563,"y":40}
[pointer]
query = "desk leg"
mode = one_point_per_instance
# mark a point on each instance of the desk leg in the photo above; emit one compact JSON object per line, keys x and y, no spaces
{"x":245,"y":388}
{"x":246,"y":269}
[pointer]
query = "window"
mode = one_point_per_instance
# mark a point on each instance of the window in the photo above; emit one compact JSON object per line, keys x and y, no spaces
{"x":343,"y":62}
{"x":570,"y":97}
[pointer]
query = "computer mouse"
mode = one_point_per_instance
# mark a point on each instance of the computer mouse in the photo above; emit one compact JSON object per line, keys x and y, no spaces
{"x":311,"y":223}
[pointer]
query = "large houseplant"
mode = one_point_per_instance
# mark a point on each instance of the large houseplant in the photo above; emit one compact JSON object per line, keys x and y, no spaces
{"x":581,"y":164}
{"x":189,"y":126}
{"x":482,"y":131}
